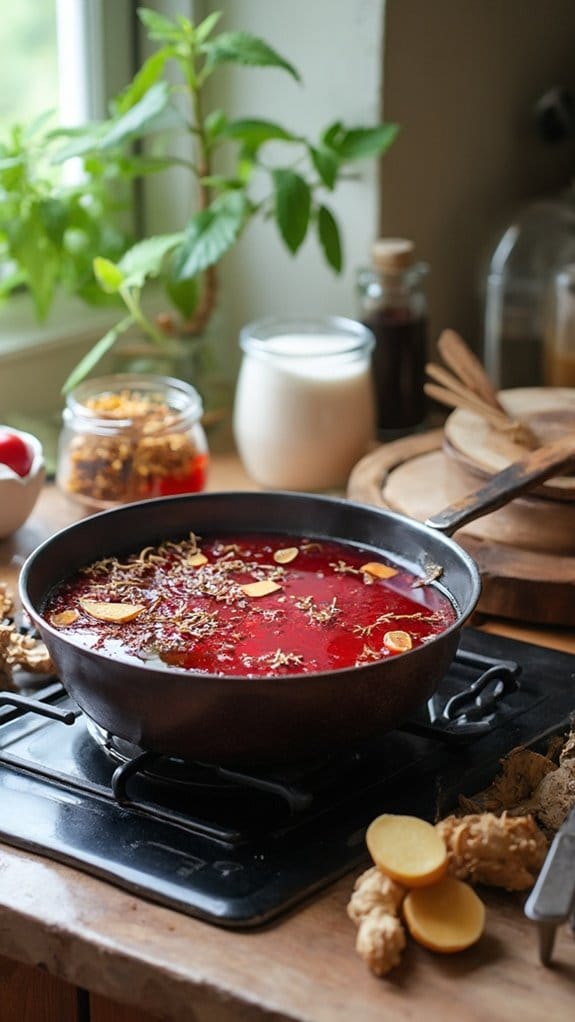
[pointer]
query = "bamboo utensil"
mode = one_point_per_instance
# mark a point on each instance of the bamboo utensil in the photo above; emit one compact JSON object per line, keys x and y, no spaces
{"x":468,"y":386}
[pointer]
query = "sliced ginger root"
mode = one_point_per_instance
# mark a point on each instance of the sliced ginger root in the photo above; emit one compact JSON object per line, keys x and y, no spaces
{"x":116,"y":613}
{"x":407,"y":849}
{"x":378,"y":570}
{"x":447,"y":916}
{"x":397,"y":641}
{"x":262,"y":588}
{"x":286,"y":555}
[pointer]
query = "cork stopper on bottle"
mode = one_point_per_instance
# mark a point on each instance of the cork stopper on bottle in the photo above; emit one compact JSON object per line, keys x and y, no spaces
{"x":392,"y":255}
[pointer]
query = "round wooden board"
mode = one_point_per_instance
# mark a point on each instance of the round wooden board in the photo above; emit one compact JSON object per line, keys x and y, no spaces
{"x":549,"y":411}
{"x":523,"y":584}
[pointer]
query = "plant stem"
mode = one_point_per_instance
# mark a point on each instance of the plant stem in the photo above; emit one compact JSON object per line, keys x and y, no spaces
{"x":131,"y":298}
{"x":196,"y":323}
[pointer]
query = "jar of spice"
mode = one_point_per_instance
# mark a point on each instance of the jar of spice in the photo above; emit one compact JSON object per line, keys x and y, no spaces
{"x":129,"y":437}
{"x":393,"y":305}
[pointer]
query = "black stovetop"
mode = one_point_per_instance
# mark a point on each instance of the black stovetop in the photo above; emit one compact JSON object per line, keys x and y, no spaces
{"x":239,"y":850}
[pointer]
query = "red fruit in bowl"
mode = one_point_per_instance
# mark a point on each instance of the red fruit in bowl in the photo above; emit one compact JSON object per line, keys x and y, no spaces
{"x":15,"y":453}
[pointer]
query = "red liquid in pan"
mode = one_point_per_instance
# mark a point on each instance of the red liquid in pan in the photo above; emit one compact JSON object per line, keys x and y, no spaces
{"x":326,"y":613}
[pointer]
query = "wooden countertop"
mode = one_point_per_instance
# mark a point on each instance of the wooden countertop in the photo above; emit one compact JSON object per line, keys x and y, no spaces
{"x":304,"y":966}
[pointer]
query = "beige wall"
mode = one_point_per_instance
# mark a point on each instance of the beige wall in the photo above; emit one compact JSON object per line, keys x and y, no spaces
{"x":461,"y":77}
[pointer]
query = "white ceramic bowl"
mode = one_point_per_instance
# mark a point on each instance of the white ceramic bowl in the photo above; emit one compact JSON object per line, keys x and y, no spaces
{"x":18,"y":494}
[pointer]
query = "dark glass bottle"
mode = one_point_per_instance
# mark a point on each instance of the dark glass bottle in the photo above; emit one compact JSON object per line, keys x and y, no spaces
{"x":393,"y":305}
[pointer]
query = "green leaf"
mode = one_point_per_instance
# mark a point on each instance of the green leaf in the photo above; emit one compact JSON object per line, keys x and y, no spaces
{"x":329,"y":238}
{"x":184,"y":294}
{"x":327,"y":165}
{"x":214,"y":124}
{"x":243,"y":48}
{"x":332,"y":132}
{"x":108,"y":274}
{"x":158,"y":27}
{"x":361,"y":143}
{"x":221,"y":183}
{"x":145,"y":258}
{"x":39,"y":259}
{"x":54,"y":214}
{"x":206,"y":27}
{"x":138,"y":117}
{"x":86,"y":364}
{"x":210,"y":234}
{"x":292,"y":207}
{"x":253,"y":133}
{"x":150,"y":72}
{"x":79,"y":141}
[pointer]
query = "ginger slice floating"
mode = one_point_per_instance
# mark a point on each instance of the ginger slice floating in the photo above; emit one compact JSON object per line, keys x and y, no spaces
{"x":257,"y":589}
{"x":398,"y":641}
{"x":63,"y":618}
{"x":447,"y":916}
{"x":377,"y":570}
{"x":197,"y":560}
{"x":286,"y":555}
{"x":407,"y":849}
{"x":116,"y":613}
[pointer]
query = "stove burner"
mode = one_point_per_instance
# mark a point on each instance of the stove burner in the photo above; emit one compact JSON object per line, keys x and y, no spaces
{"x":471,"y":711}
{"x":237,"y":848}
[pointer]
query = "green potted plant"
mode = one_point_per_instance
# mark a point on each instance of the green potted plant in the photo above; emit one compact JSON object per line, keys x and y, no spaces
{"x":52,"y":227}
{"x":239,"y":170}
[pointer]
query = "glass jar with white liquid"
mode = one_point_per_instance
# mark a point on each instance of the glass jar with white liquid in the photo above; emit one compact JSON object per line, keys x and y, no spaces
{"x":304,"y":410}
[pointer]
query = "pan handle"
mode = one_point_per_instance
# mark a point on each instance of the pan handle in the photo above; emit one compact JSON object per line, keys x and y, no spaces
{"x":517,"y":478}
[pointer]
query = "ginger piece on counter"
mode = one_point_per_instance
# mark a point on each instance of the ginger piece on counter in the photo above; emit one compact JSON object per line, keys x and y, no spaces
{"x":554,"y":796}
{"x":18,"y":650}
{"x":6,"y":601}
{"x":503,"y":851}
{"x":522,"y":770}
{"x":373,"y":889}
{"x":406,"y":848}
{"x":374,"y":907}
{"x":380,"y":940}
{"x":447,"y":916}
{"x":568,"y":750}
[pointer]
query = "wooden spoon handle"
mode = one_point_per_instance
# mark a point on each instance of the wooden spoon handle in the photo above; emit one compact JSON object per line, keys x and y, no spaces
{"x":453,"y":399}
{"x":462,"y":361}
{"x":517,"y":478}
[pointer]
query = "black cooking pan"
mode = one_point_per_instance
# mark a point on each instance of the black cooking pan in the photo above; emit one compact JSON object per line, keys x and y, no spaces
{"x":274,"y":719}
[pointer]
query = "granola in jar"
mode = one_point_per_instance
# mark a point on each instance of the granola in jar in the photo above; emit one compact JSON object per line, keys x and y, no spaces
{"x":128,"y":437}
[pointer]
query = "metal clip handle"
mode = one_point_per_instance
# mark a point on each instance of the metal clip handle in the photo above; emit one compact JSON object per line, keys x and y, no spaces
{"x":552,"y":900}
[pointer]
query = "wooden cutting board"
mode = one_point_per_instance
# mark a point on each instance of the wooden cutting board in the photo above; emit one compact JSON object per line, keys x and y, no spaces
{"x":519,"y":581}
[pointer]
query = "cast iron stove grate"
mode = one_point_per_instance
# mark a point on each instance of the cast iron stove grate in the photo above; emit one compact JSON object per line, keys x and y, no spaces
{"x":238,"y":850}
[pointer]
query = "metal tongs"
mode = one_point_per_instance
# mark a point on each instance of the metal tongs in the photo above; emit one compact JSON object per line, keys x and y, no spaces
{"x":552,"y":900}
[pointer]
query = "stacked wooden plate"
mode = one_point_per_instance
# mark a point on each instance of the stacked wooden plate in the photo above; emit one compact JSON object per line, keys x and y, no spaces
{"x":544,"y":520}
{"x":526,"y":550}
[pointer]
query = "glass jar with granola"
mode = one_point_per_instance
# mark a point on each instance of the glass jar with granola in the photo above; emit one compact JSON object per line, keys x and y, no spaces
{"x":129,"y":437}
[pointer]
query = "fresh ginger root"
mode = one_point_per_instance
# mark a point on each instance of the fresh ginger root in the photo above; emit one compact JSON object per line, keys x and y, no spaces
{"x":373,"y":889}
{"x":374,"y":907}
{"x":18,"y":650}
{"x":504,"y":851}
{"x":380,"y":941}
{"x":532,"y":784}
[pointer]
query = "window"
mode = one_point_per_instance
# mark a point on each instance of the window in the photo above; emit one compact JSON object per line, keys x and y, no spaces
{"x":29,"y":65}
{"x":100,"y":45}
